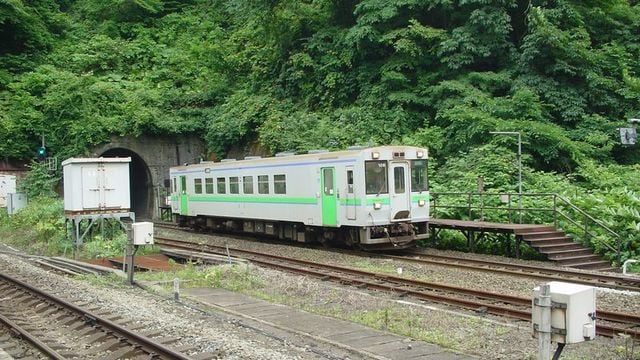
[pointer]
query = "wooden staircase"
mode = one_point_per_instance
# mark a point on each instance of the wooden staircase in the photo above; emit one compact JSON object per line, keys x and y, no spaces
{"x":561,"y":249}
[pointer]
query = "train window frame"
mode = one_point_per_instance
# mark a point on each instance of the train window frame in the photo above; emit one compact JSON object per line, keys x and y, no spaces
{"x":174,"y":185}
{"x":415,"y":180}
{"x":247,"y":184}
{"x":234,"y":185}
{"x":208,"y":185}
{"x":349,"y":181}
{"x":374,"y":186}
{"x":221,"y":183}
{"x":263,"y":180}
{"x":280,"y":184}
{"x":197,"y":186}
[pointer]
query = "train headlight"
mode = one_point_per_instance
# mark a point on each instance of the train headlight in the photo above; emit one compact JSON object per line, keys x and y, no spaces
{"x":421,"y":202}
{"x":420,"y":154}
{"x":375,"y":155}
{"x":377,"y":206}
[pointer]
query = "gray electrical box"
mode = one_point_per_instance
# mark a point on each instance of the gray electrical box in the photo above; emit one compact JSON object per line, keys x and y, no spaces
{"x":628,"y":136}
{"x":15,"y":202}
{"x":142,"y":233}
{"x":7,"y":186}
{"x":573,"y":309}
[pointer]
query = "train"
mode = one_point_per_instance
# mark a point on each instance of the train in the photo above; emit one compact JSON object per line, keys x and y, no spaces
{"x":372,"y":198}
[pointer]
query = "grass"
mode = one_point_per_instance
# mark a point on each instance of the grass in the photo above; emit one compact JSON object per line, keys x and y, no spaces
{"x":40,"y":228}
{"x":231,"y":277}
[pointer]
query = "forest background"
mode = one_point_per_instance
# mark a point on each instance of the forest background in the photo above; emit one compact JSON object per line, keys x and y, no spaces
{"x":294,"y":75}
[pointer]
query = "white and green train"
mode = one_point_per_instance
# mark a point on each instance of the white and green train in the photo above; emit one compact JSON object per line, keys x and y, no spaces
{"x":376,"y":198}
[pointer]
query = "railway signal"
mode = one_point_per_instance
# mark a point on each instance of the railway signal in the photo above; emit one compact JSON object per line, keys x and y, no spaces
{"x":41,"y":153}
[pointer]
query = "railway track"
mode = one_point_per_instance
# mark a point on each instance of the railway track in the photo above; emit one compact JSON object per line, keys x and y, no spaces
{"x":596,"y":279}
{"x":609,"y":324}
{"x":61,"y":330}
{"x":606,"y":280}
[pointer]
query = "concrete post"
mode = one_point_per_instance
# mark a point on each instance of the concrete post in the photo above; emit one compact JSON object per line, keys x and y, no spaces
{"x":544,"y":330}
{"x":130,"y":252}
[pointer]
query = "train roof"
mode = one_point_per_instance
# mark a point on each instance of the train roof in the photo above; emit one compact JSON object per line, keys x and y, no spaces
{"x":312,"y":155}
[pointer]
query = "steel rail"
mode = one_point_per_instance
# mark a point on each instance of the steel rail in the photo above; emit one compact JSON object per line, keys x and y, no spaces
{"x":399,"y":285}
{"x":27,"y":336}
{"x":146,"y":344}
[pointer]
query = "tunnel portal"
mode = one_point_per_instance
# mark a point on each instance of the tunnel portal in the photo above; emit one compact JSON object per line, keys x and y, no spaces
{"x":140,"y":183}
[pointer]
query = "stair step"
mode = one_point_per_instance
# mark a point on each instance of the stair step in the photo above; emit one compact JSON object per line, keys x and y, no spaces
{"x":557,"y":247}
{"x":535,"y":230}
{"x":543,"y":235}
{"x":551,"y":241}
{"x":577,"y":259}
{"x":561,"y":254}
{"x":592,"y":265}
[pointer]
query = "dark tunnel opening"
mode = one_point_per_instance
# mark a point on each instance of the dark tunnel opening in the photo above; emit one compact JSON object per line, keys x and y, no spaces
{"x":139,"y":182}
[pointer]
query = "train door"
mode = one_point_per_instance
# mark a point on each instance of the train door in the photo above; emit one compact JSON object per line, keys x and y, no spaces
{"x":400,"y":203}
{"x":183,"y":196}
{"x":350,"y":195}
{"x":329,"y":198}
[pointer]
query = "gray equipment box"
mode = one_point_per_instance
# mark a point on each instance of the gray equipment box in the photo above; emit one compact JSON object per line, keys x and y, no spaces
{"x":7,"y":186}
{"x":142,"y":233}
{"x":96,"y":184}
{"x":15,"y":202}
{"x":572,"y":312}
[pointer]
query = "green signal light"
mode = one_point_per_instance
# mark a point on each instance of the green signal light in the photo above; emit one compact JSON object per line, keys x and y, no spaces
{"x":42,"y":153}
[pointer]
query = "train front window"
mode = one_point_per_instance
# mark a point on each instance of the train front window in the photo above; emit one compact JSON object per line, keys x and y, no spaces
{"x":419,"y":178}
{"x":375,"y":173}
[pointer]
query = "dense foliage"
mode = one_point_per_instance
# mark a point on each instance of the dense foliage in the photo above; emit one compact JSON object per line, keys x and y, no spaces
{"x":296,"y":75}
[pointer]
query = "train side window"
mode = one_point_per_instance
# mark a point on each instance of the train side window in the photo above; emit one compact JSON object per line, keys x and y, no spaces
{"x":247,"y":184}
{"x":350,"y":181}
{"x":197,"y":184}
{"x":174,"y":185}
{"x":208,"y":185}
{"x":222,"y":185}
{"x":280,"y":184}
{"x":375,"y":174}
{"x":234,"y":188}
{"x":263,"y":184}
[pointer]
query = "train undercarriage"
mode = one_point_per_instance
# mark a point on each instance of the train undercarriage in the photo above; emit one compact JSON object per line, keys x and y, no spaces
{"x":394,"y":236}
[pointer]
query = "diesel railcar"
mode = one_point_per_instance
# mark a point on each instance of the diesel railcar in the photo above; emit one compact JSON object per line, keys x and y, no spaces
{"x":375,"y":198}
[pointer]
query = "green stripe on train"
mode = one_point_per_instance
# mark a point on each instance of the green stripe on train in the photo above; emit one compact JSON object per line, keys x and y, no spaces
{"x":416,"y":198}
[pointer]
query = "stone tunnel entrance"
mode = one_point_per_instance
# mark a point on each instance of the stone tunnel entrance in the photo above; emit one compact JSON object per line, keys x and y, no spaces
{"x":140,"y":183}
{"x":151,"y":159}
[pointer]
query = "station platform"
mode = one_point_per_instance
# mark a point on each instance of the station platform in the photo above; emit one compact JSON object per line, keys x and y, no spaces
{"x":353,"y":337}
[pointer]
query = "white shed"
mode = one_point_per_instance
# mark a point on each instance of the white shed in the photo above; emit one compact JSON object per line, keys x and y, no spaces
{"x":96,"y":184}
{"x":7,"y":186}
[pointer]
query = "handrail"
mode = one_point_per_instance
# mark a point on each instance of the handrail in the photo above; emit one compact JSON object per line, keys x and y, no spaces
{"x":557,"y":202}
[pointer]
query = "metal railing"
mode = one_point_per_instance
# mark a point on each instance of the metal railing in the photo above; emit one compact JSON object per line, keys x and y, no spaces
{"x":546,"y":207}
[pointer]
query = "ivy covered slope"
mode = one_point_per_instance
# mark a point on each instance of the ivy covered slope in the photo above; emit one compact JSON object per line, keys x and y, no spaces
{"x":302,"y":74}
